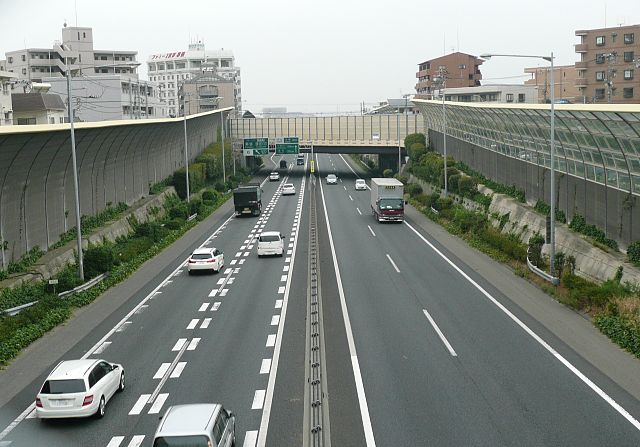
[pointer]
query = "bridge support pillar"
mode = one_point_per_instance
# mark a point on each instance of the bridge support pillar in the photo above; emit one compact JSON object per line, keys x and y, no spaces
{"x":388,"y":162}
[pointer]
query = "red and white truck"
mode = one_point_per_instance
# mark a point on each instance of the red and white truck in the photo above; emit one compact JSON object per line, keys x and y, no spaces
{"x":387,"y":199}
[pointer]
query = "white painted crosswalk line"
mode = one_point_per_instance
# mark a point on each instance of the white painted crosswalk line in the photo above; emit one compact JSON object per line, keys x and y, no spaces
{"x":203,"y":307}
{"x":215,"y":306}
{"x":266,"y":366}
{"x":158,"y":403}
{"x":205,"y":323}
{"x":271,"y":340}
{"x":193,"y":323}
{"x":136,"y":441}
{"x":162,"y":371}
{"x":242,"y":261}
{"x":250,"y":438}
{"x":224,"y":292}
{"x":258,"y":400}
{"x":178,"y":370}
{"x":221,"y":281}
{"x":139,"y":405}
{"x":233,"y":261}
{"x":281,"y":290}
{"x":115,"y":441}
{"x":213,"y":293}
{"x":278,"y":304}
{"x":179,"y":344}
{"x":275,"y":320}
{"x":193,"y":344}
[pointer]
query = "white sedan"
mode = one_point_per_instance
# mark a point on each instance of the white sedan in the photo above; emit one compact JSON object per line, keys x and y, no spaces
{"x":274,"y":176}
{"x":210,"y":259}
{"x":332,"y":179}
{"x":361,"y":184}
{"x":79,"y":388}
{"x":288,"y":189}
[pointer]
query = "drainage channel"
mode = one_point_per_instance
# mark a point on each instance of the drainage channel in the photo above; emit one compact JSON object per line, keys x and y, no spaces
{"x":316,"y":408}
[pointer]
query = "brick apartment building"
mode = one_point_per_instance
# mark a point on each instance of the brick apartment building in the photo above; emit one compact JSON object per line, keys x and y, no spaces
{"x":609,"y":65}
{"x":460,"y":70}
{"x":564,"y":80}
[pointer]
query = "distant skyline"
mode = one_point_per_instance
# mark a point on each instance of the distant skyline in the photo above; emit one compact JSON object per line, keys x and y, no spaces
{"x":324,"y":56}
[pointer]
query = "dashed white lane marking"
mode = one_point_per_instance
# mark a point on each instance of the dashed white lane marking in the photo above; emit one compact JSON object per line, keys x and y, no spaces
{"x":271,"y":340}
{"x":238,"y":254}
{"x":372,"y":233}
{"x":350,"y":198}
{"x":203,"y":307}
{"x":287,"y":260}
{"x":136,"y":441}
{"x":278,"y":304}
{"x":285,"y":268}
{"x":102,"y":347}
{"x":359,"y":212}
{"x":250,"y":247}
{"x":213,"y":293}
{"x":281,"y":290}
{"x":224,"y":292}
{"x":215,"y":306}
{"x":393,"y":263}
{"x":123,"y":327}
{"x":266,"y":366}
{"x":139,"y":405}
{"x":205,"y":323}
{"x":250,"y":438}
{"x":236,"y":270}
{"x":258,"y":400}
{"x":230,"y":280}
{"x":440,"y":334}
{"x":115,"y":441}
{"x":289,"y":252}
{"x":242,"y":247}
{"x":162,"y":371}
{"x":178,"y":370}
{"x":246,"y":241}
{"x":283,"y":278}
{"x":179,"y":344}
{"x":233,"y":261}
{"x":345,"y":188}
{"x":193,"y":323}
{"x":193,"y":344}
{"x":247,"y":253}
{"x":158,"y":403}
{"x":221,"y":281}
{"x":275,"y":319}
{"x":291,"y":245}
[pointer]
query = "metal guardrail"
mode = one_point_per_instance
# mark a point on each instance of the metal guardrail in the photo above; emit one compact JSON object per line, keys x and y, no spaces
{"x":89,"y":284}
{"x":542,"y":274}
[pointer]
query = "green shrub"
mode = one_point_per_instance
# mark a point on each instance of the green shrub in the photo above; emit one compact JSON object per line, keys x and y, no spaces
{"x":387,"y":173}
{"x":414,"y":138}
{"x":209,"y":194}
{"x":26,"y":261}
{"x":174,"y":224}
{"x":466,"y":185}
{"x":98,"y":259}
{"x":424,"y":199}
{"x":152,"y":230}
{"x":579,"y":225}
{"x":208,"y":202}
{"x":160,"y":186}
{"x":469,"y":221}
{"x":416,"y":151}
{"x":508,"y":244}
{"x":211,"y":165}
{"x":403,"y":178}
{"x":443,"y":203}
{"x":219,"y":186}
{"x":197,"y":175}
{"x":413,"y":189}
{"x":126,"y":250}
{"x":535,"y":248}
{"x":195,"y":205}
{"x":68,"y":278}
{"x":453,"y":182}
{"x":179,"y":211}
{"x":624,"y":333}
{"x":633,"y":253}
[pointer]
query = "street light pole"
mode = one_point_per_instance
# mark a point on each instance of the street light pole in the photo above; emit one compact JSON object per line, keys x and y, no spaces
{"x":444,"y":137}
{"x":224,"y":171}
{"x":75,"y":175}
{"x":186,"y":147}
{"x":399,"y":148}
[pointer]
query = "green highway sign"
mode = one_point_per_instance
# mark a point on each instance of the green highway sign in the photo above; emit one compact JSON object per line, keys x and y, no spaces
{"x":287,"y":148}
{"x":256,"y":143}
{"x":291,"y":140}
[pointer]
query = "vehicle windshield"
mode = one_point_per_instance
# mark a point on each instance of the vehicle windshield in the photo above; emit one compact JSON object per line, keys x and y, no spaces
{"x":288,"y":185}
{"x":269,"y":238}
{"x":200,"y":256}
{"x":360,"y":182}
{"x":63,"y":386}
{"x":331,"y":177}
{"x":181,"y":441}
{"x":391,"y":204}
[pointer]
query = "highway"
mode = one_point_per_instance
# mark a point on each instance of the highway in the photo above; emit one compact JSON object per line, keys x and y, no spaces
{"x":420,"y":349}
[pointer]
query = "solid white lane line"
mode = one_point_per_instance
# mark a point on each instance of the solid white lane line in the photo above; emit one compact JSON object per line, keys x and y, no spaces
{"x":193,"y":344}
{"x":205,"y":323}
{"x":193,"y":323}
{"x":345,"y":188}
{"x":359,"y":212}
{"x":440,"y":334}
{"x":372,"y":233}
{"x":266,"y":366}
{"x":362,"y":398}
{"x":203,"y":307}
{"x":115,"y":441}
{"x":271,"y":340}
{"x":215,"y":306}
{"x":158,"y":403}
{"x":161,"y":371}
{"x":281,"y":290}
{"x":139,"y":405}
{"x":250,"y":438}
{"x":393,"y":263}
{"x":275,"y":319}
{"x":102,"y":347}
{"x":179,"y":344}
{"x":278,"y":304}
{"x":350,"y":198}
{"x":178,"y":370}
{"x":31,"y":415}
{"x":258,"y":400}
{"x":624,"y":413}
{"x":136,"y":441}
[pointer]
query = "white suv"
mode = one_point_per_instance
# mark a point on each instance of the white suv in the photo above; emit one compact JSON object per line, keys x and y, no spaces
{"x":361,"y":184}
{"x":79,"y":388}
{"x":270,"y":243}
{"x":210,"y":259}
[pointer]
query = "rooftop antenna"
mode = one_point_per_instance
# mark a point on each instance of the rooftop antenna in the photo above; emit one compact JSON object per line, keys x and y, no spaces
{"x":458,"y":38}
{"x":444,"y":43}
{"x":76,"y":9}
{"x":605,"y":15}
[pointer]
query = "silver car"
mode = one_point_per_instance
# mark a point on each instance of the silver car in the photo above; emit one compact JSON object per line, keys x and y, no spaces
{"x":196,"y":425}
{"x":332,"y":179}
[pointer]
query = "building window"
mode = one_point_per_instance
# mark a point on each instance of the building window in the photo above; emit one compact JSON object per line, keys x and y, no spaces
{"x":26,"y":121}
{"x":23,"y":57}
{"x":600,"y":41}
{"x":628,"y":38}
{"x":627,"y":92}
{"x":599,"y":93}
{"x":628,"y":75}
{"x":103,"y":58}
{"x":10,"y":60}
{"x":509,"y":97}
{"x":24,"y":71}
{"x":599,"y":75}
{"x":599,"y":58}
{"x":521,"y":97}
{"x":628,"y":56}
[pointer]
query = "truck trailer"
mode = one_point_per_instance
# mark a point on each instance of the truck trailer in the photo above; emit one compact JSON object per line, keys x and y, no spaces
{"x":387,"y":199}
{"x":247,"y":199}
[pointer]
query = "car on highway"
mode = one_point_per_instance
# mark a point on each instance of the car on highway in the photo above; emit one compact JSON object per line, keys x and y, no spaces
{"x":283,"y":164}
{"x":332,"y":179}
{"x":270,"y":243}
{"x":300,"y":160}
{"x":196,"y":425}
{"x":205,"y":259}
{"x":360,"y":185}
{"x":288,"y":189}
{"x":79,"y":388}
{"x":274,"y":176}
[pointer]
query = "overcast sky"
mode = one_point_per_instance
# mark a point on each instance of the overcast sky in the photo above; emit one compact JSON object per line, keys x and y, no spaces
{"x":324,"y":55}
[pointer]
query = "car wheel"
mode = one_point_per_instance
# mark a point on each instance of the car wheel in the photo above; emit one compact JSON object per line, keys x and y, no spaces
{"x":122,"y":383}
{"x":101,"y":408}
{"x":189,"y":272}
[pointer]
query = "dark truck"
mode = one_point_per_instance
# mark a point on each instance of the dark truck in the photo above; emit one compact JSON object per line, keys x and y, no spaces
{"x":247,"y":199}
{"x":283,"y":164}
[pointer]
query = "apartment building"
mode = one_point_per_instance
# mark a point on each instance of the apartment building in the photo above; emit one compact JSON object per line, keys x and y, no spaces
{"x":6,"y":104}
{"x":498,"y":93}
{"x":458,"y":70}
{"x":172,"y":69}
{"x":609,"y":65}
{"x":38,"y":108}
{"x":207,"y":91}
{"x":564,"y":83}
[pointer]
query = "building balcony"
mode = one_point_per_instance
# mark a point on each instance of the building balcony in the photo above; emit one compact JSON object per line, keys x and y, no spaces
{"x":582,"y":48}
{"x":582,"y":65}
{"x":422,"y":73}
{"x":581,"y":82}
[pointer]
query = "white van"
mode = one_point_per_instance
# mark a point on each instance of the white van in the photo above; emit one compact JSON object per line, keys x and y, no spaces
{"x":196,"y":425}
{"x":270,"y":243}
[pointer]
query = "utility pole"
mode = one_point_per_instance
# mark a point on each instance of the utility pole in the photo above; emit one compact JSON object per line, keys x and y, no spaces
{"x":186,"y":148}
{"x":224,"y":171}
{"x":442,"y":78}
{"x":611,"y":72}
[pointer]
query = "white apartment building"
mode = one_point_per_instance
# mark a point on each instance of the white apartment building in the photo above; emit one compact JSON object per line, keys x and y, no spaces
{"x":504,"y":93}
{"x":169,"y":70}
{"x":6,"y":105}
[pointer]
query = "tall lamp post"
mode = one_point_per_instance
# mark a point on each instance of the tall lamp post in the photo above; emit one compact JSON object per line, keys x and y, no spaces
{"x":443,"y":81}
{"x":186,"y":147}
{"x":552,"y":236}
